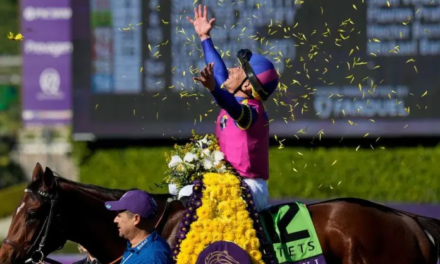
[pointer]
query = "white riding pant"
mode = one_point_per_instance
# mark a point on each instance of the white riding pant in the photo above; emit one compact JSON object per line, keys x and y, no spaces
{"x":258,"y":187}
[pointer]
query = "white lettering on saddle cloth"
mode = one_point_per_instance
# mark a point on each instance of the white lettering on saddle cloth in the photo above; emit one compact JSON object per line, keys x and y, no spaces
{"x":291,"y":250}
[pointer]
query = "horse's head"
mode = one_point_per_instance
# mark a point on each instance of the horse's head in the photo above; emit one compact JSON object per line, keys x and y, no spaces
{"x":36,"y":228}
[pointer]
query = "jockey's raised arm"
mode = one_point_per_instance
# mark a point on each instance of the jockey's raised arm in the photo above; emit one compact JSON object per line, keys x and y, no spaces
{"x":225,"y":99}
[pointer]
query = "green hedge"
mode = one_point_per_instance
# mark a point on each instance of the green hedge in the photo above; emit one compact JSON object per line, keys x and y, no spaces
{"x":402,"y":174}
{"x":10,"y":198}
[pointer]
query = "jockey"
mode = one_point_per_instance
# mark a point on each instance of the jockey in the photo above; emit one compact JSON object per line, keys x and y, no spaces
{"x":242,"y":127}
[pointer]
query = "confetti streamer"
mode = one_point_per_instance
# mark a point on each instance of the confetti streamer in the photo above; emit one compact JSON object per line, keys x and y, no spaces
{"x":17,"y":37}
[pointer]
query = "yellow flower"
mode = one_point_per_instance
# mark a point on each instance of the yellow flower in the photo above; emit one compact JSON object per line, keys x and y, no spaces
{"x":217,"y":236}
{"x":199,"y":248}
{"x":250,"y":233}
{"x":255,"y":244}
{"x":229,"y":214}
{"x":223,"y":205}
{"x":193,"y":236}
{"x":206,"y":238}
{"x":204,"y":212}
{"x":256,"y":255}
{"x":229,"y":236}
{"x":183,"y":259}
{"x":194,"y":258}
{"x":187,"y":245}
{"x":242,"y":215}
{"x":235,"y":192}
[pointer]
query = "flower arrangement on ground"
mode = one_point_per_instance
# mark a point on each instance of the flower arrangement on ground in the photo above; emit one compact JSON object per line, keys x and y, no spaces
{"x":189,"y":162}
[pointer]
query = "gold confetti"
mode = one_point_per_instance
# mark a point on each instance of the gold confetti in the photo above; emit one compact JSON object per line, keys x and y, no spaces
{"x":415,"y":68}
{"x":334,"y":162}
{"x":354,"y":7}
{"x":388,"y":4}
{"x":425,"y":93}
{"x":17,"y":37}
{"x":96,"y":106}
{"x":142,"y":68}
{"x":134,"y":111}
{"x":358,"y":147}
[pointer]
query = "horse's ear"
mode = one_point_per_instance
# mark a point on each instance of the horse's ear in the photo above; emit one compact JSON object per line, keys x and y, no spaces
{"x":38,"y":172}
{"x":48,"y":179}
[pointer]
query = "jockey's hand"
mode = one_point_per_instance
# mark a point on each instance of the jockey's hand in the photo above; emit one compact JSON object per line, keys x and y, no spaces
{"x":201,"y":24}
{"x":207,"y":77}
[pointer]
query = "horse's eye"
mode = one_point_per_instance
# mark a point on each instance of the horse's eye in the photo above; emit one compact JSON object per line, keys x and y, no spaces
{"x":31,"y":214}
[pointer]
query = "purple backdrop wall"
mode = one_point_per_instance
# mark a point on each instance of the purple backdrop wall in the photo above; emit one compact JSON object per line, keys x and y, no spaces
{"x":46,"y":72}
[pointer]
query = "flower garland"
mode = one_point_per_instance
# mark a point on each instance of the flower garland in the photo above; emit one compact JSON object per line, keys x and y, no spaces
{"x":189,"y":217}
{"x":225,"y":214}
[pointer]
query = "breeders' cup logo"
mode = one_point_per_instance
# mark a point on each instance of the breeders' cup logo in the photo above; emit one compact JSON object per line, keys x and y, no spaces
{"x":50,"y":83}
{"x":31,"y":13}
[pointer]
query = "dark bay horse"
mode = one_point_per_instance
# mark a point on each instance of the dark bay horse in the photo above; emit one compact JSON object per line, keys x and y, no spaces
{"x":351,"y":231}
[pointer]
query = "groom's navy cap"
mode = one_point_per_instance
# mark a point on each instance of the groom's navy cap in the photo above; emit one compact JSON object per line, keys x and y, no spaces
{"x":137,"y":202}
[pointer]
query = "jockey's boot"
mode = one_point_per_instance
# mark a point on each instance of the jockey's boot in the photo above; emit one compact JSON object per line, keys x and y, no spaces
{"x":184,"y":200}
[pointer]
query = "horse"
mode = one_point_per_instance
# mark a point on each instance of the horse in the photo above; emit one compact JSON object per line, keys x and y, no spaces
{"x":350,"y":230}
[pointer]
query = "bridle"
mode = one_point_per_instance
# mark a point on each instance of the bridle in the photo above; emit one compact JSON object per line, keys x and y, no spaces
{"x":36,"y":250}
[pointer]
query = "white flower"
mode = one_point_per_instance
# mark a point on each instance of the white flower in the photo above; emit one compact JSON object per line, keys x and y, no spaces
{"x":175,"y":160}
{"x":213,"y":159}
{"x":203,"y":141}
{"x":190,"y":157}
{"x":178,"y":164}
{"x":218,"y":156}
{"x":206,"y":153}
{"x":207,"y":163}
{"x":222,"y":169}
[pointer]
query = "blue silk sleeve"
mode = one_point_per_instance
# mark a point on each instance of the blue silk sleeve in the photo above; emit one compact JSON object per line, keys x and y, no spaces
{"x":224,"y":99}
{"x":211,"y":55}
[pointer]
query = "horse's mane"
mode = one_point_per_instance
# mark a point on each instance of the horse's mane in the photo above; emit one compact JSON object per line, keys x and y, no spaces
{"x":117,"y":193}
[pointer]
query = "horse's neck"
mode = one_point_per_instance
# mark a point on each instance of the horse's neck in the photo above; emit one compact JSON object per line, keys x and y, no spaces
{"x":90,"y":224}
{"x":172,"y":221}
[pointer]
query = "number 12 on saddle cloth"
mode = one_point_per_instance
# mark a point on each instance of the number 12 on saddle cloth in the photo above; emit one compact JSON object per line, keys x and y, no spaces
{"x":290,"y":229}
